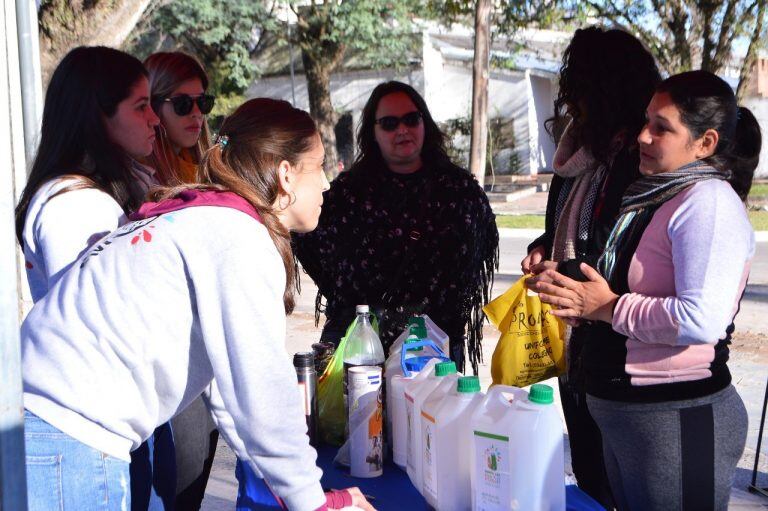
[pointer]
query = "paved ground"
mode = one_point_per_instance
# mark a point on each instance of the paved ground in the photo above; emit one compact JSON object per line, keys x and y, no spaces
{"x":749,"y":362}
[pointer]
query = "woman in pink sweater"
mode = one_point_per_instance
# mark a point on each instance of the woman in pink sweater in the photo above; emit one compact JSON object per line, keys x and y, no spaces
{"x":662,"y":302}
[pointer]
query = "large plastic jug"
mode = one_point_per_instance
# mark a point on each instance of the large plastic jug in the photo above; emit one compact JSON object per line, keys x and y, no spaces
{"x":414,"y":357}
{"x":517,"y":449}
{"x":434,"y":333}
{"x":415,"y":392}
{"x":393,"y":371}
{"x":446,"y":453}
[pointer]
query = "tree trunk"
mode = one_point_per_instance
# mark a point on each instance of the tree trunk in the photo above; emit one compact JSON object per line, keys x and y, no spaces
{"x":65,"y":24}
{"x":318,"y":74}
{"x":479,"y":137}
{"x":751,"y":57}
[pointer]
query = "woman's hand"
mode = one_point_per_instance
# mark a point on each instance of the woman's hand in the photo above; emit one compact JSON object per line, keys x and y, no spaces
{"x":543,"y":266}
{"x":587,"y":300}
{"x":358,"y":500}
{"x":534,"y":257}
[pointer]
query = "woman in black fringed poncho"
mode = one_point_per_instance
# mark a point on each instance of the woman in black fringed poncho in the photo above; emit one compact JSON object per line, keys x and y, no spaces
{"x":403,"y":230}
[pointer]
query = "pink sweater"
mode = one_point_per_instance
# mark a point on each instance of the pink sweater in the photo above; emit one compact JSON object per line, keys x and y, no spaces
{"x":686,"y":279}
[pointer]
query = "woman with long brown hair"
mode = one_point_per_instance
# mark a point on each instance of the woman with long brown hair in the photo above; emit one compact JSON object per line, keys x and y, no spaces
{"x":194,"y":291}
{"x":179,"y":87}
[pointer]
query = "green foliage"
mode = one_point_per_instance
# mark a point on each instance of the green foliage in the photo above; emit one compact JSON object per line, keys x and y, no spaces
{"x":381,"y":31}
{"x":222,"y":33}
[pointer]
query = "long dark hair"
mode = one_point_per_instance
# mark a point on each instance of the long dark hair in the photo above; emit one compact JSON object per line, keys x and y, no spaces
{"x":706,"y":101}
{"x":87,"y":86}
{"x":261,"y":133}
{"x":368,"y":149}
{"x":167,"y":71}
{"x":607,"y":80}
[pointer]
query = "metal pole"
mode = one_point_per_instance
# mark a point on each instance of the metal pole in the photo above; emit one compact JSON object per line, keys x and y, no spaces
{"x":29,"y":69}
{"x":290,"y":52}
{"x":753,"y":487}
{"x":13,"y":488}
{"x":479,"y":138}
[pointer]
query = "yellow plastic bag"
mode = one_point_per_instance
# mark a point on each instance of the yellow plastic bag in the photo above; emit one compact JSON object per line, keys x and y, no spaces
{"x":331,"y":411}
{"x":531,"y":347}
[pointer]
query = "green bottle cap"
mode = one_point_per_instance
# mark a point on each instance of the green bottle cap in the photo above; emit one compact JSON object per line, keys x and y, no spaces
{"x":418,"y":331}
{"x":417,"y":321}
{"x":445,"y":368}
{"x":541,"y":394}
{"x":468,"y":384}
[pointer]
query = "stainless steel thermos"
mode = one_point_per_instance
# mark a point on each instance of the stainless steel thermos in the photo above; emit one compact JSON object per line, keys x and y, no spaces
{"x":304,"y":362}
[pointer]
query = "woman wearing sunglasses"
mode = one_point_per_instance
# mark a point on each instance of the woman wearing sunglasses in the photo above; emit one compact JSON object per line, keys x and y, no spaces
{"x":178,"y":83}
{"x":661,"y":308}
{"x":404,"y":230}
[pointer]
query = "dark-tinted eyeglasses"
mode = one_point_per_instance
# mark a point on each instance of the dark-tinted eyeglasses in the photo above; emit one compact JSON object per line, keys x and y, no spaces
{"x":182,"y":104}
{"x":390,"y":122}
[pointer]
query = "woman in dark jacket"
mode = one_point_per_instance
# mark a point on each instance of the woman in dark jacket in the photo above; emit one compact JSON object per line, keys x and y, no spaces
{"x":404,"y":230}
{"x":606,"y":81}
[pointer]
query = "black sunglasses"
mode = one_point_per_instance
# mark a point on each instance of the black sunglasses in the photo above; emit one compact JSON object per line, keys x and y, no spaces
{"x":390,"y":122}
{"x":182,"y":104}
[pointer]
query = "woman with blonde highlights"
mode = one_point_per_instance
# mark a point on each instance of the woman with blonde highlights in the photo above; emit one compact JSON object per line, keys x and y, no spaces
{"x":189,"y":297}
{"x":179,"y":87}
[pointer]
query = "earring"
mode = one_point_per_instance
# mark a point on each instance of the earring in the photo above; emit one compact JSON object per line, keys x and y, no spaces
{"x":291,"y":201}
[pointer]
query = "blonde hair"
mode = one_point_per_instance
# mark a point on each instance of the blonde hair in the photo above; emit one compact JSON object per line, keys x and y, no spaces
{"x":167,"y":71}
{"x":260,"y":134}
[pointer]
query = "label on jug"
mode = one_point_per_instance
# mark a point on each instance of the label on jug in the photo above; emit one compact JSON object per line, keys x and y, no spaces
{"x":429,"y":465}
{"x":409,"y":444}
{"x":491,"y":467}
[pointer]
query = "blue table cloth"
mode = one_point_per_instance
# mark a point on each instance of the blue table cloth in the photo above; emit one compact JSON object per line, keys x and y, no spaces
{"x":391,"y":491}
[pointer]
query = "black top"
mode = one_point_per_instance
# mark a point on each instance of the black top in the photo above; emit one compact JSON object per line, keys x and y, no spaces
{"x":623,"y":172}
{"x":363,"y":249}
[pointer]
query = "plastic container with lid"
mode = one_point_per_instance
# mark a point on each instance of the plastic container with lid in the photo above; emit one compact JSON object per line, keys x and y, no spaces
{"x":446,"y":451}
{"x":416,"y":391}
{"x":509,"y":472}
{"x":416,"y":356}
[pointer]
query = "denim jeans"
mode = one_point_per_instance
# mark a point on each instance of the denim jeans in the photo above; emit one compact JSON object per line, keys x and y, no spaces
{"x":153,"y":472}
{"x":67,"y":475}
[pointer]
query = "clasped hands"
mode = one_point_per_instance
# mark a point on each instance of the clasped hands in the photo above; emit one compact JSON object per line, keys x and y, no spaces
{"x":573,"y":300}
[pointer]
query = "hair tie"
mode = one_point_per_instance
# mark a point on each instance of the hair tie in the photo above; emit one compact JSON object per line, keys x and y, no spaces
{"x":222,"y":140}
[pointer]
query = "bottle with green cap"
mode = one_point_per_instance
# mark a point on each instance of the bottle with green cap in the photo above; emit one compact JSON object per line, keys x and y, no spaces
{"x":508,"y":469}
{"x":446,"y":450}
{"x":442,"y":377}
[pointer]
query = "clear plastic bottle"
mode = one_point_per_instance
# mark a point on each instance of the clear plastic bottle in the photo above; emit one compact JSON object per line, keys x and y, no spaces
{"x":363,"y":345}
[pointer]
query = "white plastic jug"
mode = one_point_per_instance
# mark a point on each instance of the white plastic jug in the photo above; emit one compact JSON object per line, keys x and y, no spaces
{"x":416,"y":391}
{"x":434,"y":333}
{"x":446,"y":453}
{"x":413,"y":356}
{"x":517,"y":451}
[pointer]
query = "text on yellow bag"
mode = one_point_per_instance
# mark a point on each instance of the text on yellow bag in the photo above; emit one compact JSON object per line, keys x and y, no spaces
{"x":531,"y":347}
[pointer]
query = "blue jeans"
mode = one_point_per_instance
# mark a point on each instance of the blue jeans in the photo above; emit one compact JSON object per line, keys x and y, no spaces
{"x":153,"y":472}
{"x":65,"y":474}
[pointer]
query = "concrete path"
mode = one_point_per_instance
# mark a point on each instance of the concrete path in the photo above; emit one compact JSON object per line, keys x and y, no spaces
{"x":749,"y":365}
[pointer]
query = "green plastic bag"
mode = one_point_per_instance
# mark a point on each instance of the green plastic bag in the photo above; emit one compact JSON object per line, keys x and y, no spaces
{"x":331,"y":411}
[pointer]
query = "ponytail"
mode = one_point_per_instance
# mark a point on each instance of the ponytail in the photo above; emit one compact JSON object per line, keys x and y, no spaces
{"x":253,"y":141}
{"x":744,"y":153}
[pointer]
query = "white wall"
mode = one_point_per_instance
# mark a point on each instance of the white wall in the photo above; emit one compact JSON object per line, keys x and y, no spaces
{"x":759,"y":107}
{"x":447,"y":89}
